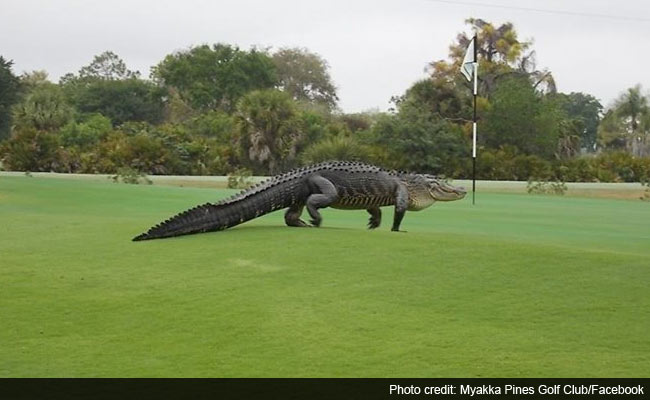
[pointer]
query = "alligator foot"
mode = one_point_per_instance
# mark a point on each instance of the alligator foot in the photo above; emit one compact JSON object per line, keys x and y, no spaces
{"x":297,"y":223}
{"x":375,"y":218}
{"x":397,"y":230}
{"x":316,"y":222}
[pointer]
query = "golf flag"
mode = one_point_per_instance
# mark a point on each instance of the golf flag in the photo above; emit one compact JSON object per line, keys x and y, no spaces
{"x":468,"y":67}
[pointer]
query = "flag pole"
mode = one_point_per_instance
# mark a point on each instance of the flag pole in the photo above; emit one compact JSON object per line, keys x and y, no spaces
{"x":474,"y":123}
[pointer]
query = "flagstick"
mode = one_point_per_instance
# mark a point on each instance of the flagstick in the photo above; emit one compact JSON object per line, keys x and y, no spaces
{"x":474,"y":124}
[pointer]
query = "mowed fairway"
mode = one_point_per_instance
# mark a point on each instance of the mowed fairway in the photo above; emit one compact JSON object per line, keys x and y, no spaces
{"x":517,"y":285}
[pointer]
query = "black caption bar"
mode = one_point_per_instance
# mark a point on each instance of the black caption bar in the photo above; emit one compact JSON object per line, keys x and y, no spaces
{"x":345,"y":388}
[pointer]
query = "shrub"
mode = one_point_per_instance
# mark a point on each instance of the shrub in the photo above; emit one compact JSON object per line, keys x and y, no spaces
{"x":335,"y":148}
{"x":131,"y":176}
{"x":546,"y":187}
{"x":32,"y":150}
{"x":240,"y":179}
{"x":87,"y":133}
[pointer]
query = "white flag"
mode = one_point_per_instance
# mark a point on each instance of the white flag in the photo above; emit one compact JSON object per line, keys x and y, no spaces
{"x":469,"y":63}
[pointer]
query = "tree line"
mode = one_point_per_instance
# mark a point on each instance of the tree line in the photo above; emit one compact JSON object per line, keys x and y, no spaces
{"x":218,"y":109}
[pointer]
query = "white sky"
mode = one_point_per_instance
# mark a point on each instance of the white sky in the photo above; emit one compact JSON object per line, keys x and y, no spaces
{"x":375,"y":48}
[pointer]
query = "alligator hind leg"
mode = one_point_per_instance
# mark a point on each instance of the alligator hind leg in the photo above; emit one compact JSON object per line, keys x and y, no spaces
{"x":324,"y":194}
{"x":375,"y":217}
{"x":292,"y":216}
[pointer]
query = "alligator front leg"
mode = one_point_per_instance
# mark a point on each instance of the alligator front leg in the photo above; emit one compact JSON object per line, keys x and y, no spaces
{"x":323,"y":194}
{"x":292,"y":216}
{"x":375,"y":217}
{"x":401,"y":203}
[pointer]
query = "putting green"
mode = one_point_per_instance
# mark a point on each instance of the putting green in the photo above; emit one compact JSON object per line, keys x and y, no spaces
{"x":517,"y":285}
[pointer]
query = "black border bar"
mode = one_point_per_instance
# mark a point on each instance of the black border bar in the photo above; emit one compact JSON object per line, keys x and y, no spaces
{"x":313,"y":388}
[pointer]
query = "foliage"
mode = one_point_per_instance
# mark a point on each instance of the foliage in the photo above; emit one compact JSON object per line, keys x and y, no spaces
{"x":546,"y":187}
{"x":304,"y":75}
{"x":418,"y":140}
{"x":585,"y":110}
{"x":240,"y":179}
{"x":43,"y":108}
{"x":9,"y":95}
{"x":520,"y":117}
{"x":218,"y":109}
{"x":627,"y":124}
{"x":120,"y":100}
{"x":107,"y":66}
{"x":30,"y":149}
{"x":131,"y":176}
{"x":143,"y":152}
{"x":86,"y":133}
{"x":338,"y":147}
{"x":213,"y":124}
{"x":568,"y":143}
{"x":269,"y":130}
{"x":107,"y":87}
{"x":495,"y":44}
{"x":506,"y":163}
{"x":215,"y":77}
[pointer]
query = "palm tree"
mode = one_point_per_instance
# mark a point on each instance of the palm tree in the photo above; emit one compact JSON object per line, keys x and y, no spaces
{"x":632,"y":108}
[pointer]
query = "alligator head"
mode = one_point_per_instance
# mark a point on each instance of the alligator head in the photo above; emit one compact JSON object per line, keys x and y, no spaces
{"x":427,"y":189}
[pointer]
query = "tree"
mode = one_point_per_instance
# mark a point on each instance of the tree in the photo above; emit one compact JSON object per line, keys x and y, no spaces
{"x":495,"y":44}
{"x":121,"y":100}
{"x":106,"y":66}
{"x":501,"y":55}
{"x":586,"y":110}
{"x":304,"y":75}
{"x":419,"y":140}
{"x":269,"y":130}
{"x":31,"y":80}
{"x":9,"y":95}
{"x":611,"y":132}
{"x":87,"y":133}
{"x":632,"y":108}
{"x":44,"y":108}
{"x":30,"y":149}
{"x":108,"y":87}
{"x":215,"y":77}
{"x":521,"y":117}
{"x":441,"y":98}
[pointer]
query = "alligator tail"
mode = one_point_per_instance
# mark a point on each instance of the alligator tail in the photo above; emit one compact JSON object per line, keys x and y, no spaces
{"x":259,"y":200}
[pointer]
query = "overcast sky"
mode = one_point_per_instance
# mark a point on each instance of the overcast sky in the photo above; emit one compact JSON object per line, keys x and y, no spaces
{"x":375,"y":49}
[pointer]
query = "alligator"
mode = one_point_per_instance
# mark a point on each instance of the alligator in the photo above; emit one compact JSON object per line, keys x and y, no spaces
{"x":337,"y":184}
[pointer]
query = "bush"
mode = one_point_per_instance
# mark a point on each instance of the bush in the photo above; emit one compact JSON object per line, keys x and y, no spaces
{"x":87,"y":133}
{"x":131,"y":176}
{"x":335,"y":148}
{"x":240,"y":179}
{"x":506,"y":163}
{"x":32,"y":150}
{"x":605,"y":167}
{"x":546,"y":187}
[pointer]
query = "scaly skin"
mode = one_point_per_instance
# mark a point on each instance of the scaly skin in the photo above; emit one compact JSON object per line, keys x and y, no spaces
{"x":337,"y":184}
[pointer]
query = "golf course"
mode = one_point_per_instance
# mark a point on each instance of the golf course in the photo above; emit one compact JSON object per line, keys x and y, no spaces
{"x":517,"y":285}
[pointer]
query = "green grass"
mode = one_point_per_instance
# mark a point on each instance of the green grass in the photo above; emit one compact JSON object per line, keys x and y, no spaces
{"x":517,"y":285}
